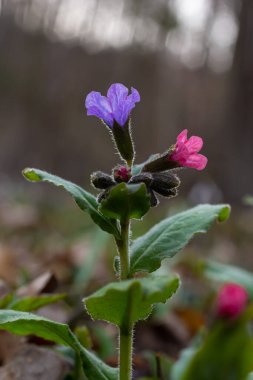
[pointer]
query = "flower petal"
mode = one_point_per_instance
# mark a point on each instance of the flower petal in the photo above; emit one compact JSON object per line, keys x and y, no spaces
{"x":135,"y":95}
{"x":194,"y":144}
{"x":116,"y":94}
{"x":122,"y":113}
{"x":196,"y":161}
{"x":181,"y":154}
{"x":182,"y":137}
{"x":99,"y":106}
{"x":122,"y":104}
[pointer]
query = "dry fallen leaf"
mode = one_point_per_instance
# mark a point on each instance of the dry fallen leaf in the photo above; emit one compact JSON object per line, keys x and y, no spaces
{"x":45,"y":283}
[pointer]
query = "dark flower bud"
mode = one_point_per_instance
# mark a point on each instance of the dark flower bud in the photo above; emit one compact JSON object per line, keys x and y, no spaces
{"x":169,"y":193}
{"x":102,"y":180}
{"x":121,"y":174}
{"x":166,"y":180}
{"x":153,"y":198}
{"x":146,"y":178}
{"x":101,"y":196}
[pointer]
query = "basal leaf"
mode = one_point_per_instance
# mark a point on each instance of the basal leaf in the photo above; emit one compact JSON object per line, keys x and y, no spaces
{"x":168,"y":237}
{"x":85,"y":200}
{"x":126,"y":201}
{"x":22,"y":323}
{"x":123,"y":303}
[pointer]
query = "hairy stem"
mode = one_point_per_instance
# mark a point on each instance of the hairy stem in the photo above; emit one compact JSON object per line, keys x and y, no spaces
{"x":123,"y":248}
{"x":126,"y":332}
{"x":125,"y":354}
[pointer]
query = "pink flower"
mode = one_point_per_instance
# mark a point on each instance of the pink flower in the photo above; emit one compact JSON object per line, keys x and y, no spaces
{"x":231,"y":301}
{"x":186,"y":151}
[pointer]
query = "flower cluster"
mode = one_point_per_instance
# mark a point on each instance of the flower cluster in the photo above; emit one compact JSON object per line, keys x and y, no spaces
{"x":157,"y":173}
{"x":165,"y":184}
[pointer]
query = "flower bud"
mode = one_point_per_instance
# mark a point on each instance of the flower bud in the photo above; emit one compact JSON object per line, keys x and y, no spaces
{"x":153,"y":198}
{"x":231,"y":301}
{"x":146,"y":178}
{"x":102,"y":180}
{"x":166,"y":180}
{"x":121,"y":174}
{"x":169,"y":193}
{"x":101,"y":196}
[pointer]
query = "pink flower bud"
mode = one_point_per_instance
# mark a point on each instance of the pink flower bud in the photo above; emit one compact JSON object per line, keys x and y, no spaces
{"x":121,"y":174}
{"x":231,"y":301}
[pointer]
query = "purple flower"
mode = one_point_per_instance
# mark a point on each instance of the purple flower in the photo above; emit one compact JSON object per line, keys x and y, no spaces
{"x":117,"y":105}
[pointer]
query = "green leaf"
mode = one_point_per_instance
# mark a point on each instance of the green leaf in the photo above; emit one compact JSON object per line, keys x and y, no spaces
{"x":124,"y":303}
{"x":22,"y":323}
{"x":226,"y":353}
{"x":85,"y":200}
{"x":126,"y":201}
{"x":227,"y":273}
{"x":35,"y":302}
{"x":168,"y":237}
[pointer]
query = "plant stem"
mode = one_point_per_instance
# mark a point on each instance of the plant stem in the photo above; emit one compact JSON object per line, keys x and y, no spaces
{"x":125,"y":356}
{"x":126,"y":332}
{"x":123,"y":246}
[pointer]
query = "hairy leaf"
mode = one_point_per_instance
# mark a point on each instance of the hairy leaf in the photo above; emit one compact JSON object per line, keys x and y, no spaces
{"x":123,"y":303}
{"x":85,"y":200}
{"x":126,"y":201}
{"x":168,"y":237}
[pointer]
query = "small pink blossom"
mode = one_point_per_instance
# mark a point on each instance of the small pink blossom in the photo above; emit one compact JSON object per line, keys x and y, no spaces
{"x":231,"y":301}
{"x":186,"y":151}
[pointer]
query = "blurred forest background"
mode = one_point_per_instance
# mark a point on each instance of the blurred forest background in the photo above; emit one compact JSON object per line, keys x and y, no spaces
{"x":190,"y":60}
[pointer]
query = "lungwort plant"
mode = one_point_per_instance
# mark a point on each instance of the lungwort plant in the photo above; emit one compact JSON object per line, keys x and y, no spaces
{"x":127,"y":193}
